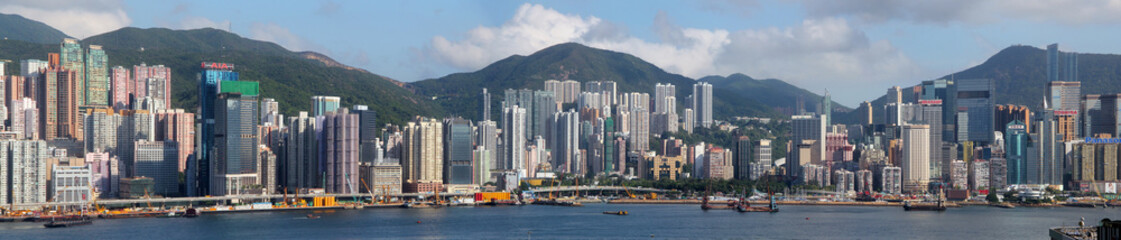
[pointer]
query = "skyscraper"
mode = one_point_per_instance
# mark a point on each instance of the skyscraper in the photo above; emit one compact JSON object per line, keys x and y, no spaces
{"x":702,"y":103}
{"x":545,"y":105}
{"x":662,"y":93}
{"x":212,"y":74}
{"x":975,"y":103}
{"x":827,"y":109}
{"x":486,"y":105}
{"x":1053,"y":62}
{"x":367,"y":133}
{"x":423,"y":163}
{"x":743,"y":158}
{"x":513,"y":138}
{"x":323,"y":104}
{"x":340,"y":129}
{"x":177,"y":126}
{"x":25,"y":167}
{"x":301,"y":165}
{"x":234,"y":163}
{"x":916,"y":158}
{"x":155,"y":81}
{"x":120,"y":83}
{"x":566,"y":152}
{"x":458,"y":147}
{"x":1016,"y":152}
{"x":72,"y":59}
{"x":808,"y":127}
{"x":97,"y":77}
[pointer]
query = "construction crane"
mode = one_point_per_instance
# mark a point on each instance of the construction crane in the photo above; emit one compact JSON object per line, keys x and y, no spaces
{"x":364,"y":184}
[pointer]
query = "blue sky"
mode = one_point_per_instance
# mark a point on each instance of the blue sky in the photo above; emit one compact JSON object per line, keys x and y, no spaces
{"x":856,"y":49}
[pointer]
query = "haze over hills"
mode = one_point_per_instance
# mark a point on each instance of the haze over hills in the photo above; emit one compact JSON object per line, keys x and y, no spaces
{"x":290,"y":77}
{"x":16,"y":27}
{"x":1020,"y":75}
{"x":459,"y":93}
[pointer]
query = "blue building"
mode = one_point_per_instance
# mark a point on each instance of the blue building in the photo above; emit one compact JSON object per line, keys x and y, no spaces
{"x":212,"y":74}
{"x":458,"y":151}
{"x":1016,"y":151}
{"x":975,"y":110}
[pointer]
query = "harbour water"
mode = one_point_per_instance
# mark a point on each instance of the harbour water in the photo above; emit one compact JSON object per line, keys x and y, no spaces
{"x":549,"y":222}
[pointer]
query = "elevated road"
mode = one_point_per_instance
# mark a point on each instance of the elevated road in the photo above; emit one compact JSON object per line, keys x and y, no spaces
{"x":595,"y":188}
{"x":241,"y":198}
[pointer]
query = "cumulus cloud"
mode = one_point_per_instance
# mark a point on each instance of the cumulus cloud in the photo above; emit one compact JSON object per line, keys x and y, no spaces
{"x":271,"y":32}
{"x":827,"y":52}
{"x":78,"y":19}
{"x":971,"y":11}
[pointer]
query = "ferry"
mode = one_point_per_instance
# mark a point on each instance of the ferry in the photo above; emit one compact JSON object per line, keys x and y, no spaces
{"x":85,"y":220}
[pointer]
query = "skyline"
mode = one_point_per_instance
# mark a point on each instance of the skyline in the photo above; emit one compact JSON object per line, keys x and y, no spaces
{"x":881,"y":43}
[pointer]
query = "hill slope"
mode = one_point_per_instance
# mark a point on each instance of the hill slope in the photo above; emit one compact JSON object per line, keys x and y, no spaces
{"x":459,"y":93}
{"x":289,"y":77}
{"x":16,"y":27}
{"x":772,"y":92}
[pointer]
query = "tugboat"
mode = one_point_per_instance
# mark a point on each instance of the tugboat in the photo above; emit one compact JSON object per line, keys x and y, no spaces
{"x":620,"y":213}
{"x":745,"y":206}
{"x":85,"y":220}
{"x":191,"y":213}
{"x":940,"y":205}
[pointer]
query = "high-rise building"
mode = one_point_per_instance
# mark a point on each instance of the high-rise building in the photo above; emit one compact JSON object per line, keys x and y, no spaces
{"x":234,"y":161}
{"x":1052,"y":149}
{"x":545,"y":106}
{"x":25,"y":165}
{"x":640,"y":129}
{"x":929,"y":112}
{"x":916,"y":158}
{"x":155,"y":81}
{"x":664,"y":98}
{"x":567,"y":143}
{"x":120,"y":85}
{"x":975,"y":109}
{"x":482,"y":158}
{"x":367,"y":133}
{"x":30,"y":67}
{"x":301,"y":165}
{"x":1101,"y":115}
{"x":58,"y":106}
{"x":158,"y":160}
{"x":513,"y":138}
{"x":423,"y":163}
{"x":486,"y":105}
{"x":702,"y":104}
{"x":340,"y":158}
{"x":808,"y":127}
{"x":212,"y":74}
{"x":1016,"y":152}
{"x":323,"y":104}
{"x":827,"y":109}
{"x":743,"y":158}
{"x":458,"y":155}
{"x":72,"y":59}
{"x":1007,"y":113}
{"x":24,"y":118}
{"x":177,"y":126}
{"x":688,"y":121}
{"x":97,"y":77}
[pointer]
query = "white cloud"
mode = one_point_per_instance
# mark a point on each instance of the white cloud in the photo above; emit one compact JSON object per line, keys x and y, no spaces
{"x":271,"y":32}
{"x":78,"y":19}
{"x":827,"y":52}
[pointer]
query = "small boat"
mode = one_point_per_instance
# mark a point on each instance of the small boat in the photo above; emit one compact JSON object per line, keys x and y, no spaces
{"x":192,"y":213}
{"x":558,"y":203}
{"x":171,"y":215}
{"x":417,"y":205}
{"x":69,"y":223}
{"x":312,"y":216}
{"x":620,"y":213}
{"x":865,"y":197}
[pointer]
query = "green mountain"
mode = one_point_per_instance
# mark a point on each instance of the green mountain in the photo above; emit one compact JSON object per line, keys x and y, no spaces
{"x":16,"y":27}
{"x":459,"y":93}
{"x":1020,"y":76}
{"x":289,"y":77}
{"x":772,"y":92}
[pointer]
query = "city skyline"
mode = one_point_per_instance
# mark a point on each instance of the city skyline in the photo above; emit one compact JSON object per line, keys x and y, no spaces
{"x":889,"y":43}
